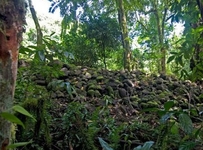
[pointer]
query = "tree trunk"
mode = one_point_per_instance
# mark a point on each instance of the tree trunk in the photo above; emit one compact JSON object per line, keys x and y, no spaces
{"x":124,"y":33}
{"x":37,"y":25}
{"x":12,"y":19}
{"x":161,"y":29}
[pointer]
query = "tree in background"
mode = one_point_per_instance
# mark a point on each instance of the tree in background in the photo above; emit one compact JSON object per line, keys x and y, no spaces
{"x":189,"y":56}
{"x":73,"y":19}
{"x":12,"y":19}
{"x":153,"y":29}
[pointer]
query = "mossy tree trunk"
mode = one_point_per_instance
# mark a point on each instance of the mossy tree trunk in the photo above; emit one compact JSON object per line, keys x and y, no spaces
{"x":12,"y":19}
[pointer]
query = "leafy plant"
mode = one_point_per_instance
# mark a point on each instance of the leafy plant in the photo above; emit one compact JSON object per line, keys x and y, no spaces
{"x":79,"y":135}
{"x":172,"y":123}
{"x":146,"y":146}
{"x":12,"y":118}
{"x":104,"y":145}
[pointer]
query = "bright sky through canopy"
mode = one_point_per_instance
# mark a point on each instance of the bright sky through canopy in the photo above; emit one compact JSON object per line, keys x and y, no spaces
{"x":42,"y":7}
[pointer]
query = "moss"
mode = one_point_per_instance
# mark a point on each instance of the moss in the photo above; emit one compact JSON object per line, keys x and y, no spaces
{"x":99,"y":78}
{"x":110,"y":91}
{"x":163,"y":94}
{"x":144,"y":105}
{"x":31,"y":103}
{"x":97,"y":93}
{"x":90,"y":93}
{"x":134,"y":98}
{"x":94,"y":87}
{"x":152,"y":104}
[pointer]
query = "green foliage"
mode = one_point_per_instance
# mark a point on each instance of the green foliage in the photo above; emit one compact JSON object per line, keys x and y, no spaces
{"x":21,"y":110}
{"x":94,"y":43}
{"x":92,"y":38}
{"x":171,"y":127}
{"x":104,"y":145}
{"x":19,"y":144}
{"x":146,"y":146}
{"x":82,"y":50}
{"x":74,"y":124}
{"x":12,"y":118}
{"x":189,"y":56}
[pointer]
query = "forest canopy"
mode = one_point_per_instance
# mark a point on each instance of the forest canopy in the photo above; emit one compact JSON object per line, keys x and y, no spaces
{"x":127,"y":35}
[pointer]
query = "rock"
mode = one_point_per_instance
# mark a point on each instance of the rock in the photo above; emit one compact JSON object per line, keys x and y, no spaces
{"x":88,"y":75}
{"x":41,"y":82}
{"x":122,"y":92}
{"x":129,"y":82}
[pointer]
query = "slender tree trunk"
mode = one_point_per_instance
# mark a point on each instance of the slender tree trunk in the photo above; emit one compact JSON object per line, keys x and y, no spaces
{"x":160,"y":28}
{"x":12,"y":19}
{"x":124,"y":33}
{"x":198,"y":47}
{"x":37,"y":25}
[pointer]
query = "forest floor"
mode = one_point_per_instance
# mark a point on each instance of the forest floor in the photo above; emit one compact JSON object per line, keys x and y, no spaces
{"x":87,"y":106}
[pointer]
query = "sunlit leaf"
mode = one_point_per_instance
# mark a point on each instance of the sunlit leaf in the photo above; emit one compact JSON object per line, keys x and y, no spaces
{"x":10,"y":117}
{"x":175,"y":128}
{"x":23,"y":111}
{"x":18,"y":144}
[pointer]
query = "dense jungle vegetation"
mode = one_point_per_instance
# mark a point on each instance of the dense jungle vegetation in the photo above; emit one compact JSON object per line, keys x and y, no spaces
{"x":111,"y":75}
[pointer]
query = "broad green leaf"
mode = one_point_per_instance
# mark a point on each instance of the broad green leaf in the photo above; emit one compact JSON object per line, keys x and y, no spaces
{"x":161,"y":113}
{"x":24,"y":50}
{"x":185,"y":123}
{"x":187,"y":145}
{"x":18,"y":144}
{"x":23,"y":111}
{"x":179,"y":60}
{"x":174,"y":53}
{"x":171,"y":58}
{"x":168,"y":105}
{"x":146,"y":146}
{"x":10,"y":117}
{"x":104,"y":145}
{"x":34,"y":47}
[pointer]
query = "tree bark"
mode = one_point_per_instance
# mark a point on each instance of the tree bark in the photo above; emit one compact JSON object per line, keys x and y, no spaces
{"x":37,"y":25}
{"x":161,"y":29}
{"x":124,"y":33}
{"x":12,"y":19}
